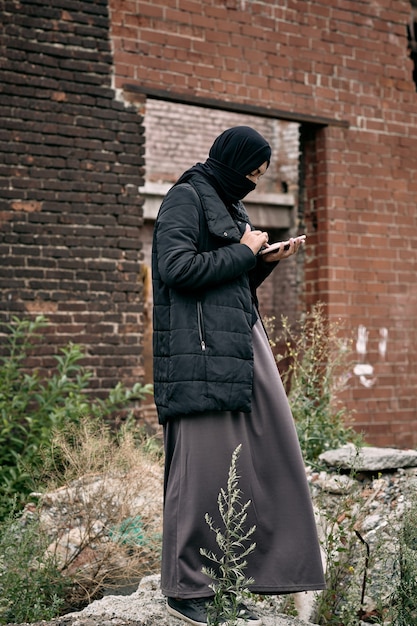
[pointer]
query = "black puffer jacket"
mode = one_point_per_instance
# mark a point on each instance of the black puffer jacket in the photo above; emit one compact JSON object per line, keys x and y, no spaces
{"x":204,"y":284}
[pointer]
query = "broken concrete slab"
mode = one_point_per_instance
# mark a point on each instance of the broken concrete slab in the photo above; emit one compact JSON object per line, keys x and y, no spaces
{"x":368,"y":458}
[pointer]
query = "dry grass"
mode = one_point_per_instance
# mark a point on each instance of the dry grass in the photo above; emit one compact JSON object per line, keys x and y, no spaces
{"x":102,"y":509}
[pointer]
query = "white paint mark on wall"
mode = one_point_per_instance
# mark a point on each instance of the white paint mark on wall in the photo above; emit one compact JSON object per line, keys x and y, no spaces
{"x":362,"y":340}
{"x":365,"y":371}
{"x":383,"y":341}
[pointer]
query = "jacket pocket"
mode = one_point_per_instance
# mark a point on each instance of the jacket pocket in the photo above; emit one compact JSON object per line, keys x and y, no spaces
{"x":200,"y":323}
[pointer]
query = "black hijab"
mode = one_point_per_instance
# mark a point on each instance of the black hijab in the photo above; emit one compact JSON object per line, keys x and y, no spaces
{"x":235,"y":153}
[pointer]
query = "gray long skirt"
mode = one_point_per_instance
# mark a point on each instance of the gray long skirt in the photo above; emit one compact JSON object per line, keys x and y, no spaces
{"x":198,"y":451}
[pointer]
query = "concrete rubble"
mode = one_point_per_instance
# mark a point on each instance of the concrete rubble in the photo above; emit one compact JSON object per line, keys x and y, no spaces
{"x":367,"y":490}
{"x":369,"y":459}
{"x":147,"y":606}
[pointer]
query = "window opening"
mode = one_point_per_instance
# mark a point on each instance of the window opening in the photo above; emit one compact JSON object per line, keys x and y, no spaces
{"x":412,"y":39}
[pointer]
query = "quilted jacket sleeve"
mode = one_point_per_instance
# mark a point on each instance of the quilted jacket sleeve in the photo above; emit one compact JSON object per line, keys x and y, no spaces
{"x":181,"y":262}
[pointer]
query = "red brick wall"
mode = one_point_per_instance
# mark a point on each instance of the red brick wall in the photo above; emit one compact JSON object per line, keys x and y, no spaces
{"x":71,"y":161}
{"x":340,"y":59}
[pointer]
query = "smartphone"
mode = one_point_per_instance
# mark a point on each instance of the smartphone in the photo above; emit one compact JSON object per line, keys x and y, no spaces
{"x":274,"y":247}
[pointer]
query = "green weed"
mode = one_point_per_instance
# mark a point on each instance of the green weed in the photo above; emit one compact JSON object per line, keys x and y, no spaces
{"x":404,"y":599}
{"x":33,"y":406}
{"x":230,"y":584}
{"x":318,"y":368}
{"x":31,"y":585}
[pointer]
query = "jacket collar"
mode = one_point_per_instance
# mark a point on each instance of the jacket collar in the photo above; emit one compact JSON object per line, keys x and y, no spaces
{"x":219,"y":221}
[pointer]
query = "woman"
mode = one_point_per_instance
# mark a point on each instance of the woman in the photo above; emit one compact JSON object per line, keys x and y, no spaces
{"x":217,"y":385}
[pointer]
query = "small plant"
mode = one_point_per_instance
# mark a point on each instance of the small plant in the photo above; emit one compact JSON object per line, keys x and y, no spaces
{"x":341,"y":602}
{"x":31,"y":585}
{"x":229,"y":581}
{"x":317,"y":370}
{"x":404,"y":599}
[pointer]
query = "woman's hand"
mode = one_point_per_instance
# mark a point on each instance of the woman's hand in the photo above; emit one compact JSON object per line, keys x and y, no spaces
{"x":286,"y":249}
{"x":254,"y":239}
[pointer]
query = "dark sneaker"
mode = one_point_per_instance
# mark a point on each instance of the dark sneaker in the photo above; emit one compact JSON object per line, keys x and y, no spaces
{"x":193,"y":611}
{"x":246,"y":616}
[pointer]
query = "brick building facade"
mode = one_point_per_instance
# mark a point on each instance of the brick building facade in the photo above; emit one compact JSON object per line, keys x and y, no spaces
{"x":71,"y":161}
{"x":77,"y":79}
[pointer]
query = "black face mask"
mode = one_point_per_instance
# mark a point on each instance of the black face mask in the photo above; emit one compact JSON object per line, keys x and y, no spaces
{"x":235,"y":153}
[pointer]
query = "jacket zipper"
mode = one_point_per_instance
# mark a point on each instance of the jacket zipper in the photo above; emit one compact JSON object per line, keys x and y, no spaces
{"x":200,"y":322}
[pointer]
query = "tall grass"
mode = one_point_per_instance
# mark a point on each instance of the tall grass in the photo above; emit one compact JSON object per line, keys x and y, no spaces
{"x":318,"y":365}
